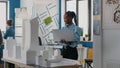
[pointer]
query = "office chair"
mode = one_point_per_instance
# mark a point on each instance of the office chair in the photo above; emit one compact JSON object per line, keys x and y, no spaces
{"x":89,"y":59}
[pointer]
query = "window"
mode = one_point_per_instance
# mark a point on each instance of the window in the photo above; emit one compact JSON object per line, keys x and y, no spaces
{"x":82,"y":8}
{"x":83,"y":15}
{"x":3,"y":15}
{"x":70,"y":5}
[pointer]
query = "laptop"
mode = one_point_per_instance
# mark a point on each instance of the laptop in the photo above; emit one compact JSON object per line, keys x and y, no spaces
{"x":65,"y":34}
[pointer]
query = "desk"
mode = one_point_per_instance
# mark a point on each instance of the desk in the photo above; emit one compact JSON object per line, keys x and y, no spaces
{"x":53,"y":65}
{"x":16,"y":63}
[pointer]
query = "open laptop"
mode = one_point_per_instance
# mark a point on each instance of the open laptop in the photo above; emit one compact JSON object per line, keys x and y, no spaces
{"x":65,"y":34}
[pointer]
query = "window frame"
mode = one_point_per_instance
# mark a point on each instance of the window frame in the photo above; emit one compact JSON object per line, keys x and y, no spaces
{"x":7,"y":10}
{"x":89,"y":17}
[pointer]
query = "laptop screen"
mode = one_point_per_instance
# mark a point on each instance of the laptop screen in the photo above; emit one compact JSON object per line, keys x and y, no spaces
{"x":65,"y":34}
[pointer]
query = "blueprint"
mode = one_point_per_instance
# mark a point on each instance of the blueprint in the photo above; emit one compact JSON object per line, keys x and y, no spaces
{"x":48,"y":18}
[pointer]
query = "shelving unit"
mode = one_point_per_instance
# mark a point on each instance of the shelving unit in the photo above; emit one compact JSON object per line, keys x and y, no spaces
{"x":19,"y":31}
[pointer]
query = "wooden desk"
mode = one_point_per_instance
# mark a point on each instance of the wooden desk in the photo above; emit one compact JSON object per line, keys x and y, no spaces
{"x":21,"y":65}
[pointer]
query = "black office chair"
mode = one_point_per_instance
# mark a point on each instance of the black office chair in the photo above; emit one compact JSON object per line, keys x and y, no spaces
{"x":88,"y":63}
{"x":89,"y":59}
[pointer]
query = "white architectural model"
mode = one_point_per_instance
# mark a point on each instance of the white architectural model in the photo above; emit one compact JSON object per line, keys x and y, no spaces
{"x":29,"y":51}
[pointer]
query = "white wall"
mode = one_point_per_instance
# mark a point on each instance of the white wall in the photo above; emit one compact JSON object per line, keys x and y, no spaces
{"x":28,"y":4}
{"x":97,"y":52}
{"x":111,"y":42}
{"x":111,"y":35}
{"x":22,"y":3}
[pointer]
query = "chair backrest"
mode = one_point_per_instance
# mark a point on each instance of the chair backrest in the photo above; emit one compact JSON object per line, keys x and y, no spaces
{"x":90,"y":53}
{"x":84,"y":52}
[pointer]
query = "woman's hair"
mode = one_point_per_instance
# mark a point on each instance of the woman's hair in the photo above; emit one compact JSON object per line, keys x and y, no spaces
{"x":9,"y":22}
{"x":72,"y":15}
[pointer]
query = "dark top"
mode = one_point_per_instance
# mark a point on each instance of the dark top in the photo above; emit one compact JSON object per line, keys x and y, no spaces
{"x":9,"y":33}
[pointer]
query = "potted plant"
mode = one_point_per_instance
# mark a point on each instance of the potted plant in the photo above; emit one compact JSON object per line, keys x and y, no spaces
{"x":86,"y":37}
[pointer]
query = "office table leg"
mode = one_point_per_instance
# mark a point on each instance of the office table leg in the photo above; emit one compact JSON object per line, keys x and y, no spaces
{"x":4,"y":64}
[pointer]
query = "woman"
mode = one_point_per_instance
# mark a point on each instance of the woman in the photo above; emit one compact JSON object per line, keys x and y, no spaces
{"x":9,"y":33}
{"x":70,"y":48}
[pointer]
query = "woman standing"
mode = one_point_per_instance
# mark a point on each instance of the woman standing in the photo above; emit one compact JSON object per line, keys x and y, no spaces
{"x":9,"y":33}
{"x":69,"y":49}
